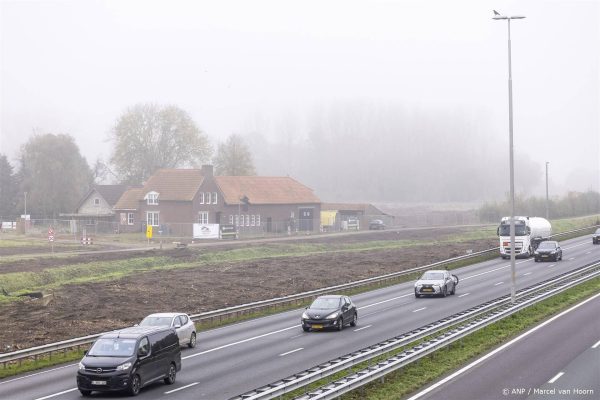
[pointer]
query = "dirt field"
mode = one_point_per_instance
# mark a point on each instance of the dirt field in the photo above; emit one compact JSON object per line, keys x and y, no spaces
{"x":89,"y":308}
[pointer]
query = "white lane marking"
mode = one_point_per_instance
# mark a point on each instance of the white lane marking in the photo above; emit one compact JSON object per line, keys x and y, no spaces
{"x":499,"y":283}
{"x":297,"y":336}
{"x":292,"y":351}
{"x":571,"y":259}
{"x":499,"y":349}
{"x":588,"y":252}
{"x":551,"y":265}
{"x":596,"y":345}
{"x":528,"y":273}
{"x":419,"y":309}
{"x":56,"y":394}
{"x":463,"y":295}
{"x":364,"y":327}
{"x":37,"y":373}
{"x":240,"y":342}
{"x":483,"y":273}
{"x":556,"y":377}
{"x":384,"y":301}
{"x":181,"y":388}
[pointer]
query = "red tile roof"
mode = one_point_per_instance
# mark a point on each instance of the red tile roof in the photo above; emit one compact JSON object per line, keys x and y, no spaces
{"x":265,"y":190}
{"x":174,"y":184}
{"x":130,"y":199}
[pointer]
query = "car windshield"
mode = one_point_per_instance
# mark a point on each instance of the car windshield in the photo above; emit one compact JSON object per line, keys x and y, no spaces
{"x":432,"y":276}
{"x":116,"y":347}
{"x":598,"y":230}
{"x":324,"y":302}
{"x":547,"y":245}
{"x":520,"y":229}
{"x":156,"y":321}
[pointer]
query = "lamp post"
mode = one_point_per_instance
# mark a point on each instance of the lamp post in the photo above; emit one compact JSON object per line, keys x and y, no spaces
{"x":498,"y":16}
{"x":547,"y":203}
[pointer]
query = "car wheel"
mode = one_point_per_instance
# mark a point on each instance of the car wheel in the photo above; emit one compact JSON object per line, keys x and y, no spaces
{"x":354,"y":320}
{"x":135,"y":385}
{"x":192,"y":342}
{"x":171,"y":375}
{"x":85,"y":392}
{"x":340,"y":324}
{"x":536,"y":259}
{"x":305,"y":328}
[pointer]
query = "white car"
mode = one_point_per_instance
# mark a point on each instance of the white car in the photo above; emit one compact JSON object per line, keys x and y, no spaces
{"x":183,"y":325}
{"x":436,"y":282}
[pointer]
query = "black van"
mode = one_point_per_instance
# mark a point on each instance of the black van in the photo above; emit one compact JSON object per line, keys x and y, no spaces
{"x":129,"y":359}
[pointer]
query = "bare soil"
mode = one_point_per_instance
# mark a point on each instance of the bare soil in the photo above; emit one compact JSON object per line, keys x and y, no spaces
{"x":84,"y":309}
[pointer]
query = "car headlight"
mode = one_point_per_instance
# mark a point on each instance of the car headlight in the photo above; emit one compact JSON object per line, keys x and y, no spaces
{"x":124,"y":367}
{"x":81,"y":366}
{"x":304,"y":315}
{"x":333,"y":315}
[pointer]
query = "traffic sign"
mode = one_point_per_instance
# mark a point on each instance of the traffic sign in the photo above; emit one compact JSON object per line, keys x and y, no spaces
{"x":149,"y":231}
{"x":50,"y":234}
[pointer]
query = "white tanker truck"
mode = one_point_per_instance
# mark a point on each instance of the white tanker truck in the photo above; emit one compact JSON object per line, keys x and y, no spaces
{"x":529,"y":232}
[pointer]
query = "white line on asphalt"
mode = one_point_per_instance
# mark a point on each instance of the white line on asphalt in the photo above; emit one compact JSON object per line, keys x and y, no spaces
{"x":499,"y":283}
{"x":419,"y":309}
{"x":364,"y":327}
{"x":588,"y":252}
{"x":483,"y":273}
{"x":37,"y":373}
{"x":571,"y":259}
{"x":290,"y":352}
{"x":528,"y":273}
{"x":384,"y":301}
{"x":463,"y":295}
{"x":56,"y":394}
{"x":181,"y":388}
{"x":240,"y":342}
{"x":556,"y":377}
{"x":596,"y":345}
{"x":296,"y":336}
{"x":499,"y":349}
{"x":551,"y":265}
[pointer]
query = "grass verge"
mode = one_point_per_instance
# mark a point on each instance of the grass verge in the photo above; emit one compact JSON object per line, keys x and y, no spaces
{"x":428,"y":369}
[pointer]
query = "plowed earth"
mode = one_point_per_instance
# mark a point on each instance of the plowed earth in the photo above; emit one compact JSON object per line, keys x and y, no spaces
{"x":83,"y":309}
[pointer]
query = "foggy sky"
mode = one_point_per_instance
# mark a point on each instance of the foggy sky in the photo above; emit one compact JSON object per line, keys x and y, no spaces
{"x":266,"y":66}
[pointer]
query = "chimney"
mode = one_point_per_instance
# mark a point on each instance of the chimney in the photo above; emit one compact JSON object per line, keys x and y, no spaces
{"x":207,"y":170}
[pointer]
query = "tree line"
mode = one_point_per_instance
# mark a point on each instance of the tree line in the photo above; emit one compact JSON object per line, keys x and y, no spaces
{"x":51,"y":176}
{"x":574,"y":204}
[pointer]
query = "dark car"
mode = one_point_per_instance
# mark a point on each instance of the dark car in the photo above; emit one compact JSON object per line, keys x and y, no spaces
{"x":376,"y":224}
{"x":128,"y":359}
{"x":596,"y":237}
{"x":330,"y":312}
{"x":548,"y":250}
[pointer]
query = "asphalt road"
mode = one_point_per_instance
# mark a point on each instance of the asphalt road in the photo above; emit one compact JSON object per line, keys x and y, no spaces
{"x":237,"y":358}
{"x":558,"y":360}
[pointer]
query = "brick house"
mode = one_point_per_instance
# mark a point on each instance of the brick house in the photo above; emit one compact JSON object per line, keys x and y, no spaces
{"x":95,"y":210}
{"x":174,"y":199}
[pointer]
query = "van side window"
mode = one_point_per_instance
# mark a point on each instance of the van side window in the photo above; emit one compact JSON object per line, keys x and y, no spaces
{"x":144,"y":347}
{"x":183,"y":319}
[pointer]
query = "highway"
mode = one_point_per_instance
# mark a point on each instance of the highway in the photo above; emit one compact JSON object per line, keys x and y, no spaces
{"x":559,"y":359}
{"x":237,"y":358}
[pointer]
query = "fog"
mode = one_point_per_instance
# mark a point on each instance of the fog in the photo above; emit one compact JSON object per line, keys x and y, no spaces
{"x":373,"y":101}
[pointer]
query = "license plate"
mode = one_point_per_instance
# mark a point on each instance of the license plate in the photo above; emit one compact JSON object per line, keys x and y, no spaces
{"x":427,"y":290}
{"x":317,"y":326}
{"x":98,"y":382}
{"x":544,"y":256}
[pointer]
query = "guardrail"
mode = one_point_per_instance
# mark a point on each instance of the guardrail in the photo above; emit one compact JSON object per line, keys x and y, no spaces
{"x":257,"y":305}
{"x":475,"y":318}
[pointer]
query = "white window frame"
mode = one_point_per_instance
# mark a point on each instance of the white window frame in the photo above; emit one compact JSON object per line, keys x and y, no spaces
{"x":207,"y":198}
{"x":253,"y":220}
{"x":201,"y":198}
{"x":203,"y":217}
{"x":214,"y":198}
{"x":231,"y":219}
{"x":130,"y":218}
{"x":247,"y":220}
{"x":237,"y":220}
{"x":258,"y":220}
{"x":96,"y":201}
{"x":155,"y":218}
{"x":152,"y":198}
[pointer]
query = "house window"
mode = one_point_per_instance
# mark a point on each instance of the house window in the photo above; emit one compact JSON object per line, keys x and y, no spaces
{"x":237,"y":220}
{"x":247,"y":220}
{"x":203,"y":217}
{"x":96,"y":201}
{"x":201,"y":197}
{"x":152,"y":198}
{"x":214,"y":197}
{"x":208,"y":200}
{"x":129,"y":218}
{"x":152,"y":218}
{"x":258,"y":220}
{"x":231,"y":219}
{"x":253,"y":220}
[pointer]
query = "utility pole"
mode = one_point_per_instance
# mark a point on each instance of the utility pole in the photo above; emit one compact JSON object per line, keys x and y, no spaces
{"x":547,"y":201}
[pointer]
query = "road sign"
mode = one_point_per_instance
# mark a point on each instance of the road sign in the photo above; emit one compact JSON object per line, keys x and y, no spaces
{"x":149,"y":231}
{"x":50,"y":234}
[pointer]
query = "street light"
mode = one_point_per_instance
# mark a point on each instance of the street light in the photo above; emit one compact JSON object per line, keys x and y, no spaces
{"x":547,"y":203}
{"x":498,"y":16}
